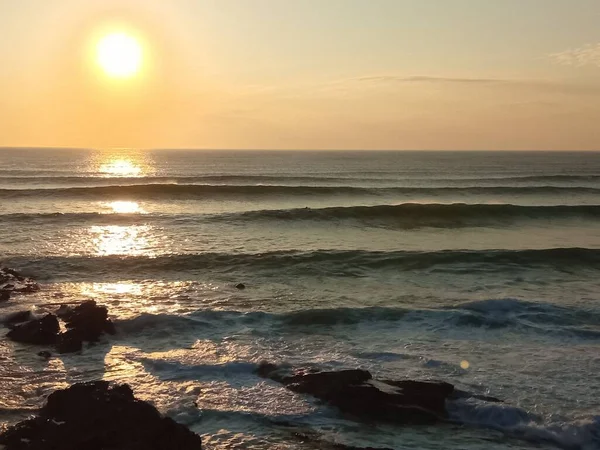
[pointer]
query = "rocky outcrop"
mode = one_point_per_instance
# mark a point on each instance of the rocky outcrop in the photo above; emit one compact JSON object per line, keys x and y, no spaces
{"x":17,"y":317}
{"x":86,"y":322}
{"x":42,"y":331}
{"x":98,"y":416}
{"x":12,"y":281}
{"x":357,"y":393}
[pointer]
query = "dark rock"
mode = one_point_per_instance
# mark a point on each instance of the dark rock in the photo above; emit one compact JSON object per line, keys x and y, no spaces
{"x":64,"y":311}
{"x":98,"y":416}
{"x":109,"y":327}
{"x":18,"y":317}
{"x":4,"y":296}
{"x":12,"y":281}
{"x":355,"y":392}
{"x":485,"y":398}
{"x":316,"y":441}
{"x":240,"y":286}
{"x":328,"y":446}
{"x":38,"y":332}
{"x":45,"y":354}
{"x":89,"y":320}
{"x":69,"y":342}
{"x":13,"y":273}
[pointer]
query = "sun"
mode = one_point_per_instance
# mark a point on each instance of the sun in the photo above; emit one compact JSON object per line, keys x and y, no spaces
{"x":119,"y":55}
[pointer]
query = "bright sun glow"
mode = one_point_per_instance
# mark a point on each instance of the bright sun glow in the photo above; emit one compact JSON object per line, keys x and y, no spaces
{"x":121,"y":167}
{"x":125,"y":207}
{"x":119,"y":55}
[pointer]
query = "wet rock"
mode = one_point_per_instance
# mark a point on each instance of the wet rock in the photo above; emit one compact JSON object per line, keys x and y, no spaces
{"x":240,"y":286}
{"x":327,"y":446}
{"x":4,"y":296}
{"x":98,"y":416}
{"x":42,"y":331}
{"x":356,"y":393}
{"x":89,"y":320}
{"x":317,"y":441}
{"x":69,"y":342}
{"x":45,"y":354}
{"x":484,"y":398}
{"x":13,"y":281}
{"x":15,"y":318}
{"x":64,"y":311}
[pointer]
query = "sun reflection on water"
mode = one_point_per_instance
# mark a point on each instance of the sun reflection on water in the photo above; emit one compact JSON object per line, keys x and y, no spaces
{"x":121,"y":240}
{"x":121,"y":163}
{"x":125,"y":207}
{"x":122,"y":168}
{"x":120,"y":288}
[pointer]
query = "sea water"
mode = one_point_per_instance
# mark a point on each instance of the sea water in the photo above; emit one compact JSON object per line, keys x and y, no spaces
{"x":477,"y":268}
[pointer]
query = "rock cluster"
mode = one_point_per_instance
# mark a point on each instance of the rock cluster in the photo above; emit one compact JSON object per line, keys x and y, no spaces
{"x":12,"y":281}
{"x":86,"y":322}
{"x":357,"y":393}
{"x":98,"y":416}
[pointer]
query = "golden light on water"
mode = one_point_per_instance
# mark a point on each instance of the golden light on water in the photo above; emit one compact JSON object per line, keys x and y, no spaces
{"x":121,"y":167}
{"x":464,"y":364}
{"x":121,"y":240}
{"x":125,"y":207}
{"x":119,"y":55}
{"x":116,"y":288}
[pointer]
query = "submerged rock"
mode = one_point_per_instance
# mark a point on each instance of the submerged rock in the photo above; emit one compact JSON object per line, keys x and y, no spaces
{"x":45,"y":354}
{"x":98,"y":416}
{"x":13,"y":281}
{"x":355,"y":392}
{"x":42,"y":331}
{"x":4,"y":296}
{"x":240,"y":286}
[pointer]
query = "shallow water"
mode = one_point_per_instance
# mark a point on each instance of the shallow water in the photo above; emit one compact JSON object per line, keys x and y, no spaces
{"x":410,"y":265}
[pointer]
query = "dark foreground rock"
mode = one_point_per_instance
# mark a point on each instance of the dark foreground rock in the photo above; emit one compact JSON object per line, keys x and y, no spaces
{"x":355,"y":392}
{"x":98,"y":416}
{"x":13,"y":281}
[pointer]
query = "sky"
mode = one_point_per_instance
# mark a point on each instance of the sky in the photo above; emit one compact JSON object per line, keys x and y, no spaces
{"x":304,"y":74}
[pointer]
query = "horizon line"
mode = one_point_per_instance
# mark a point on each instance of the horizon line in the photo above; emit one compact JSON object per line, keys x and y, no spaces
{"x":36,"y":147}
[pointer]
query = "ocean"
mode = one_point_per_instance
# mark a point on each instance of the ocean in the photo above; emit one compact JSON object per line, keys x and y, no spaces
{"x":477,"y":268}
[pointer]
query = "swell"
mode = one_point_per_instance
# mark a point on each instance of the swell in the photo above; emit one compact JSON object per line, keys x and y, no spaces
{"x":403,"y":216}
{"x":528,"y":317}
{"x":408,"y":215}
{"x":183,"y":180}
{"x":519,"y":423}
{"x":343,"y":263}
{"x":59,"y":178}
{"x":184,"y":191}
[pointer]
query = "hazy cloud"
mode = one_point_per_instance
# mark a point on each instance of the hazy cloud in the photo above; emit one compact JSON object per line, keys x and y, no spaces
{"x":588,"y":55}
{"x":516,"y":85}
{"x":427,"y":79}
